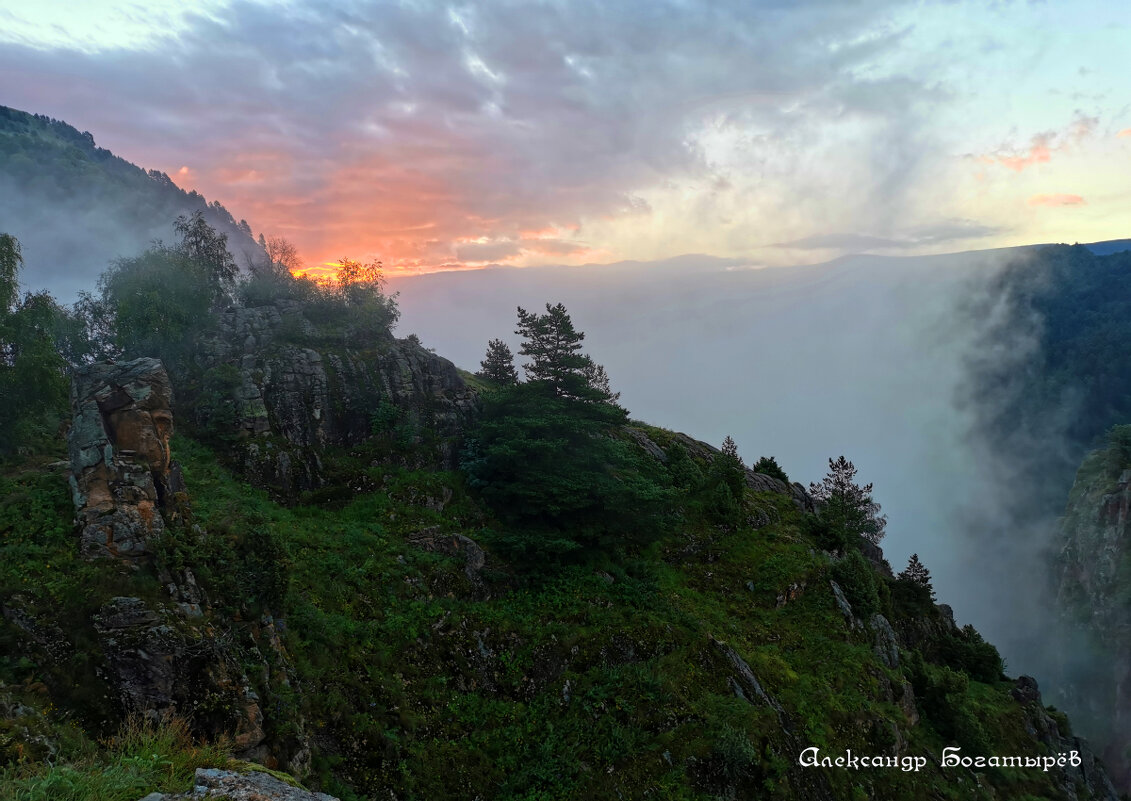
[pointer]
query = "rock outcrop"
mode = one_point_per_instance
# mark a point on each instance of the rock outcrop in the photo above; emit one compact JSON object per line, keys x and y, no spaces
{"x":157,"y":657}
{"x":1086,"y":780}
{"x":759,"y":482}
{"x":1093,"y":585}
{"x":124,"y":482}
{"x":160,"y":666}
{"x":288,"y":389}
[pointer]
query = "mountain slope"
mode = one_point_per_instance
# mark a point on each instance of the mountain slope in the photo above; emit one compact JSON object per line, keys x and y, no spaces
{"x":369,"y":642}
{"x":75,"y":206}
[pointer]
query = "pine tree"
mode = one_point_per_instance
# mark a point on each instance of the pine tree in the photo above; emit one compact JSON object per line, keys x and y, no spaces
{"x":846,"y":507}
{"x":726,"y":480}
{"x":917,"y":572}
{"x":498,"y":365}
{"x":556,"y":361}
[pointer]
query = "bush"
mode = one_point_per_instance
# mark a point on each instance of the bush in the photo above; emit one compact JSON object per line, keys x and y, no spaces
{"x":856,"y":577}
{"x":553,"y":470}
{"x":769,"y":466}
{"x":968,"y":652}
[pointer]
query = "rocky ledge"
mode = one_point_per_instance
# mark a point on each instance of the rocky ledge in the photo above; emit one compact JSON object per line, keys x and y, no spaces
{"x":253,"y":785}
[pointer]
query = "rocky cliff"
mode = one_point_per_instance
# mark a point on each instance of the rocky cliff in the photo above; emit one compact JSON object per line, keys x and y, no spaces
{"x":167,"y":651}
{"x":280,"y":388}
{"x":1094,"y":597}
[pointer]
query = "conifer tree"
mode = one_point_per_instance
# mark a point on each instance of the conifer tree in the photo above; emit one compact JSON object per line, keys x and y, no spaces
{"x":730,"y":449}
{"x":769,"y":466}
{"x":846,"y":507}
{"x":917,"y":572}
{"x":498,"y":365}
{"x":556,"y":361}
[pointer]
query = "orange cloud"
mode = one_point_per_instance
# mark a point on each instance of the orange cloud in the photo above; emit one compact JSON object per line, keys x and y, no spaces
{"x":1125,"y":133}
{"x":382,"y":207}
{"x":1056,"y":200}
{"x":1043,"y":145}
{"x":1039,"y":152}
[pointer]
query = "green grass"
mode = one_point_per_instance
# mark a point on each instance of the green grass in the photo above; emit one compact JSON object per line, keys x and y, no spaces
{"x":596,"y":681}
{"x":141,"y":759}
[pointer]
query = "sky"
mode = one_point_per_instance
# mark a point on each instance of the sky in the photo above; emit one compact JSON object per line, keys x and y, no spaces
{"x":453,"y":135}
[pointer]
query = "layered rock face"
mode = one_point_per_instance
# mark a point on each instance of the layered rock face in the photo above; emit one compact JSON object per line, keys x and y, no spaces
{"x":123,"y":479}
{"x":1093,"y":590}
{"x":294,"y":389}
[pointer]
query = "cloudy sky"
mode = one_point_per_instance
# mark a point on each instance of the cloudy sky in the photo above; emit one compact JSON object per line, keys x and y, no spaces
{"x":433,"y":134}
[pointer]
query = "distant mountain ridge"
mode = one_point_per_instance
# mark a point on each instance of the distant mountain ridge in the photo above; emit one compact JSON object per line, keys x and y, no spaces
{"x":75,"y":206}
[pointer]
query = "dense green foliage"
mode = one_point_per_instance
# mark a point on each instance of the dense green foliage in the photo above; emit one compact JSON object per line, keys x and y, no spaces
{"x":547,"y":457}
{"x":37,"y":338}
{"x":552,"y":468}
{"x":156,"y":304}
{"x":597,"y":684}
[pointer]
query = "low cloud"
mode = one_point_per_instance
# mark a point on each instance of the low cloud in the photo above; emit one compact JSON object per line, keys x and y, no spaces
{"x":920,"y":236}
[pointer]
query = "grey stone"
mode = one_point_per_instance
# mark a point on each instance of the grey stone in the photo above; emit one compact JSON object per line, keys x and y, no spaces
{"x":886,"y":646}
{"x":844,"y":606}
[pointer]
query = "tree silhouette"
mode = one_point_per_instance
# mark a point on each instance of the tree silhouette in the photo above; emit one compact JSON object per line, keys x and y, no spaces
{"x":917,"y":572}
{"x":201,"y":243}
{"x":498,"y":365}
{"x":556,"y":361}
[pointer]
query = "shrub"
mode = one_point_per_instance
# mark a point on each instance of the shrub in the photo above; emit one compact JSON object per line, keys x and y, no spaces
{"x":769,"y":466}
{"x":856,"y":577}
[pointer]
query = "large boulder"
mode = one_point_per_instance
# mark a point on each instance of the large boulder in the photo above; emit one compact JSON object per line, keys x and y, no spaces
{"x":124,"y":482}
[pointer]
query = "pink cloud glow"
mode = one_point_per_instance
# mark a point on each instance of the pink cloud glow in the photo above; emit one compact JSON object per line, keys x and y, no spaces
{"x":1056,"y":200}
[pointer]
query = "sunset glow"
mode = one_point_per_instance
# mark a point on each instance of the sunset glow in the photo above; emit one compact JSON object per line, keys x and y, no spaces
{"x":439,"y":142}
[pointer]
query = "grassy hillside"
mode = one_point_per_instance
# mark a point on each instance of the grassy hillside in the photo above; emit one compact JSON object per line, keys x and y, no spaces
{"x":419,"y":676}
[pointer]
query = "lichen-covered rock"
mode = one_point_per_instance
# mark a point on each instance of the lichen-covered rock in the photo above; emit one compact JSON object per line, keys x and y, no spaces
{"x":844,"y":606}
{"x":886,"y":646}
{"x":124,"y":482}
{"x":250,"y":785}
